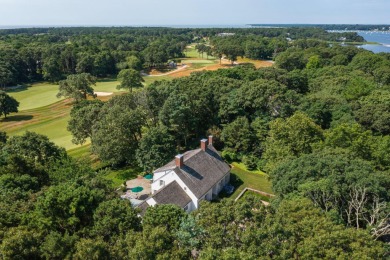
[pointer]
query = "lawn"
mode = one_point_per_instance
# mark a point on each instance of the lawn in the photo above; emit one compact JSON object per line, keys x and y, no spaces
{"x":198,"y":61}
{"x":119,"y":176}
{"x":44,"y":93}
{"x":191,"y":52}
{"x":242,"y":178}
{"x":35,"y":95}
{"x":81,"y":152}
{"x":106,"y":85}
{"x":49,"y":120}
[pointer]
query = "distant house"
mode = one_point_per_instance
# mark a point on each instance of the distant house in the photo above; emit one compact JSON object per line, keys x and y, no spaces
{"x":196,"y":175}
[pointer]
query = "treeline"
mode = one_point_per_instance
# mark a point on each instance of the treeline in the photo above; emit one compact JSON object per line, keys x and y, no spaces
{"x":36,"y":54}
{"x":53,"y":55}
{"x":362,"y":27}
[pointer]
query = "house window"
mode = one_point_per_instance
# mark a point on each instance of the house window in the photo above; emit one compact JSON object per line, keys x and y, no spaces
{"x":161,"y":183}
{"x":185,"y":188}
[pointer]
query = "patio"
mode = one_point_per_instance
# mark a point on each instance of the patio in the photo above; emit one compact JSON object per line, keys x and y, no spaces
{"x":138,"y":182}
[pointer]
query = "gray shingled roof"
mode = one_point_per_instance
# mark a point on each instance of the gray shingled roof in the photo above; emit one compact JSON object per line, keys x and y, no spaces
{"x":143,"y":206}
{"x":201,"y":170}
{"x":172,"y":194}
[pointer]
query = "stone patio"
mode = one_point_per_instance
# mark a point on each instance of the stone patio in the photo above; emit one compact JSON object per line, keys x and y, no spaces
{"x":140,"y":181}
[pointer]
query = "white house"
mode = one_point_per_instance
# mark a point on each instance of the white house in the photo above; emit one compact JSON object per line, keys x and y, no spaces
{"x":196,"y":175}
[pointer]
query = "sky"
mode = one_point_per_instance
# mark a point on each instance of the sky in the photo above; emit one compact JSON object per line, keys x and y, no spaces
{"x":191,"y":12}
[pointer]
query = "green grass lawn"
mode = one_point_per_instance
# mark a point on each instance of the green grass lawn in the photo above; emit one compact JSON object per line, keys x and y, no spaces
{"x":241,"y":178}
{"x":198,"y":61}
{"x":54,"y":129}
{"x":51,"y":120}
{"x":43,"y":94}
{"x":119,"y":176}
{"x":81,"y":152}
{"x":191,"y":52}
{"x":35,"y":95}
{"x":150,"y":80}
{"x":106,"y":85}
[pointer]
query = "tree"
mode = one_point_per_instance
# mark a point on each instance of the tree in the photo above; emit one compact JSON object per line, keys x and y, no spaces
{"x":58,"y":246}
{"x":35,"y":148}
{"x":374,"y":111}
{"x":156,"y":148}
{"x":367,"y":62}
{"x":238,"y":135}
{"x":233,"y":51}
{"x":7,"y":104}
{"x":293,"y":136}
{"x":291,"y":59}
{"x":116,"y":134}
{"x":302,"y":227}
{"x":77,"y":86}
{"x":67,"y":207}
{"x":20,"y":243}
{"x":3,"y":138}
{"x":166,"y":216}
{"x":351,"y":137}
{"x":52,"y":68}
{"x":178,"y":115}
{"x":82,"y":118}
{"x":190,"y":235}
{"x":114,"y":217}
{"x":91,"y":249}
{"x":129,"y":78}
{"x":5,"y":76}
{"x":132,"y":62}
{"x":336,"y":181}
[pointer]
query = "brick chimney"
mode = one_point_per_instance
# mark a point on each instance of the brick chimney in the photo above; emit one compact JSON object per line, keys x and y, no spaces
{"x":210,"y":140}
{"x":203,"y":144}
{"x":179,"y":160}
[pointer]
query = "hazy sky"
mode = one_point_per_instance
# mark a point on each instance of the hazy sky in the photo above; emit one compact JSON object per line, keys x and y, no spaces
{"x":191,"y":12}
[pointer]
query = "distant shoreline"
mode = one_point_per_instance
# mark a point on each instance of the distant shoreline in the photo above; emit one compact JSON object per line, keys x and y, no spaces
{"x":341,"y":27}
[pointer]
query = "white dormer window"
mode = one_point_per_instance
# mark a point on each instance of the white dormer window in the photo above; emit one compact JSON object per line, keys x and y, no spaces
{"x":162,"y":183}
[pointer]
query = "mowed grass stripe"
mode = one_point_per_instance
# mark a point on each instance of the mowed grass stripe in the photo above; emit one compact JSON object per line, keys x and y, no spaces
{"x":50,"y":120}
{"x":35,"y":95}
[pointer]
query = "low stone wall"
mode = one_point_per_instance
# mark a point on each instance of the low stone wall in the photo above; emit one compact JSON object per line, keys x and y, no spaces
{"x":257,"y":191}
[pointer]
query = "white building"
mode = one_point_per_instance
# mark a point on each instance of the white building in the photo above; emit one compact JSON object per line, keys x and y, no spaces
{"x":191,"y":177}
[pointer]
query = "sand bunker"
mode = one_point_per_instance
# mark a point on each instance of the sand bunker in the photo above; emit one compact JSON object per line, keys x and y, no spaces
{"x":103,"y":94}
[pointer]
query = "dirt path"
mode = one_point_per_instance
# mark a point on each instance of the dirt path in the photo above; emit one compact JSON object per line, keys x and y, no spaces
{"x":166,"y":74}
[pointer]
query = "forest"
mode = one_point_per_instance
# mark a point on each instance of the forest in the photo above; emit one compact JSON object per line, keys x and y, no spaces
{"x":317,"y":122}
{"x":351,"y":27}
